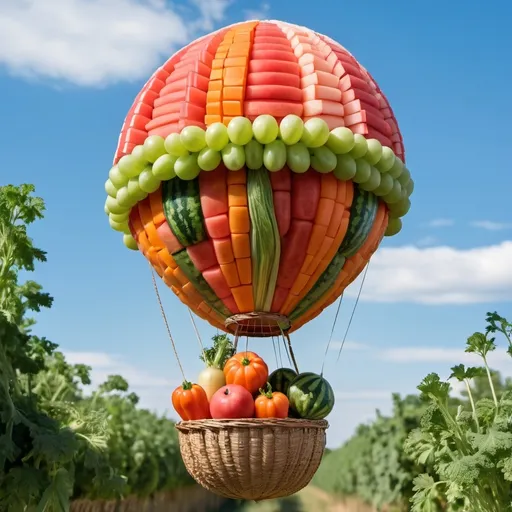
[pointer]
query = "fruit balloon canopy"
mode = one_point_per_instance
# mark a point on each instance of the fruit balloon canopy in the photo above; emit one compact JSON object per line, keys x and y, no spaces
{"x":258,"y":170}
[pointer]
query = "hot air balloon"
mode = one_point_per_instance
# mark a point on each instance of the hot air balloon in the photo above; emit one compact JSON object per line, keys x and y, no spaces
{"x":258,"y":170}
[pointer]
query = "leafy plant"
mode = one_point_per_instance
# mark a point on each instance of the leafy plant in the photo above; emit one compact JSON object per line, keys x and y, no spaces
{"x":55,"y":443}
{"x":470,"y":450}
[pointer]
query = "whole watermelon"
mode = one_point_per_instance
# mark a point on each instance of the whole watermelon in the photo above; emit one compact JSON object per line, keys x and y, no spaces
{"x":311,"y":396}
{"x":281,"y":379}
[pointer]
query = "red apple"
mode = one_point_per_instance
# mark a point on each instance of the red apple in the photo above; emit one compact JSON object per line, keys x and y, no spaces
{"x":231,"y":402}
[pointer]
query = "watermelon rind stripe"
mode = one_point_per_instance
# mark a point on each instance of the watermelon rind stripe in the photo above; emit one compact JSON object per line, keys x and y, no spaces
{"x":362,"y":216}
{"x":182,"y":209}
{"x":319,"y":403}
{"x":184,"y":262}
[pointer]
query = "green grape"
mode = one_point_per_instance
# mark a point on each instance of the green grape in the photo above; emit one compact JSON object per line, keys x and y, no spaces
{"x":217,"y":137}
{"x":105,"y":207}
{"x":394,"y":226}
{"x":265,"y":129}
{"x":395,"y":194}
{"x":397,"y":168}
{"x":274,"y":155}
{"x":360,"y":146}
{"x":233,"y":157}
{"x":163,"y":168}
{"x":117,"y":179}
{"x":323,"y":160}
{"x":130,"y":242}
{"x":138,"y":154}
{"x":386,"y":185}
{"x":405,"y":177}
{"x":110,"y":189}
{"x":253,"y":154}
{"x":410,"y":187}
{"x":345,"y":168}
{"x":386,"y":160}
{"x":316,"y":133}
{"x":240,"y":130}
{"x":372,"y":182}
{"x":374,"y":153}
{"x":193,"y":138}
{"x":130,"y":166}
{"x":174,"y":146}
{"x":125,"y":199}
{"x":341,"y":140}
{"x":298,"y":158}
{"x":147,"y":182}
{"x":363,"y":171}
{"x":186,"y":167}
{"x":119,"y":217}
{"x":400,"y":208}
{"x":209,"y":159}
{"x":135,"y":190}
{"x":119,"y":226}
{"x":154,"y":146}
{"x":291,"y":129}
{"x":114,"y":207}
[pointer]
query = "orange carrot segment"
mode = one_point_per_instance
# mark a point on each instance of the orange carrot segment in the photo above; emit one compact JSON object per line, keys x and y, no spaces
{"x":223,"y":250}
{"x":157,"y":209}
{"x":324,"y":212}
{"x":244,"y":266}
{"x":230,"y":272}
{"x":241,"y":245}
{"x":244,"y":299}
{"x":237,"y":195}
{"x":239,"y":220}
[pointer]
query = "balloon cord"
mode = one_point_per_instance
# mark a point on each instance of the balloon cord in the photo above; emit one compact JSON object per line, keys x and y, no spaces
{"x":353,"y":310}
{"x":198,"y":336}
{"x":167,"y":324}
{"x":292,"y":355}
{"x":332,"y":333}
{"x":275,"y":351}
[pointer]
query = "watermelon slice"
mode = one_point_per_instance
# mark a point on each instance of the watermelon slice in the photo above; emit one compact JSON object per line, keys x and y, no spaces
{"x":321,"y":92}
{"x":320,"y":78}
{"x":273,"y":92}
{"x":264,"y":78}
{"x":317,"y":107}
{"x":273,"y":55}
{"x":271,"y":65}
{"x":274,"y":108}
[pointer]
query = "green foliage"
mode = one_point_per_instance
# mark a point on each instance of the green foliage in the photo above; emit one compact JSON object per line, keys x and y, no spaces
{"x":55,"y":443}
{"x":470,"y":448}
{"x":217,"y":355}
{"x":436,"y":453}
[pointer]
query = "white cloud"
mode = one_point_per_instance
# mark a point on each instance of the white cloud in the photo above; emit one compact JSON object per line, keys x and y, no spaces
{"x":498,"y":359}
{"x":491,"y":226}
{"x":96,"y":42}
{"x":258,"y":14}
{"x":440,"y":223}
{"x":439,"y":275}
{"x":104,"y":364}
{"x":349,"y":345}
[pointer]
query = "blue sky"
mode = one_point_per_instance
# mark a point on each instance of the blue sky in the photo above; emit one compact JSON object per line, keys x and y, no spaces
{"x":69,"y":70}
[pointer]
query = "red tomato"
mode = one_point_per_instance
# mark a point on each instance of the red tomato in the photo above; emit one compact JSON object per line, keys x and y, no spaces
{"x":231,"y":402}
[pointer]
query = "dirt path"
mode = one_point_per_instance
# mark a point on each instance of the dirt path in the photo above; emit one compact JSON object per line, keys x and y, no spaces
{"x":310,"y":499}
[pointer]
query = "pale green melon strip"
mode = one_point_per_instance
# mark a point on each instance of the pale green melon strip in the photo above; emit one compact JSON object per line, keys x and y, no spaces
{"x":265,"y":240}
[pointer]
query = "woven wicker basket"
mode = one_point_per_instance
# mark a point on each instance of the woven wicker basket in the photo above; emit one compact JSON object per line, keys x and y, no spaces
{"x":252,"y":459}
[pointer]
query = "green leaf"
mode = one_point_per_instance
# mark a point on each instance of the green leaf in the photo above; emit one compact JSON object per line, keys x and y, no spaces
{"x":506,"y":468}
{"x":426,"y":494}
{"x":57,"y":494}
{"x":492,"y":442}
{"x":433,"y":387}
{"x":479,"y":343}
{"x":467,"y":469}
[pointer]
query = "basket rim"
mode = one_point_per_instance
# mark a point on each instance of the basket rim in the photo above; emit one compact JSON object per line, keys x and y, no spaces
{"x":250,"y":423}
